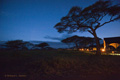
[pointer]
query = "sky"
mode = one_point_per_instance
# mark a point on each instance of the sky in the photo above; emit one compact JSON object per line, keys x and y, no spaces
{"x":34,"y":20}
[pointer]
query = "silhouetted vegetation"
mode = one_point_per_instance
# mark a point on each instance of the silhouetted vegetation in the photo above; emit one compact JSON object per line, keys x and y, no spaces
{"x":79,"y":41}
{"x":17,"y":45}
{"x":43,"y":45}
{"x":89,"y":19}
{"x":74,"y":39}
{"x":24,"y":45}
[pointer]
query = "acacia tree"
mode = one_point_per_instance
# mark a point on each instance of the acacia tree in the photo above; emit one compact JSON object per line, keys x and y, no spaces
{"x":89,"y":41}
{"x":66,"y":41}
{"x":17,"y":44}
{"x":89,"y":19}
{"x":79,"y":41}
{"x":43,"y":45}
{"x":74,"y":39}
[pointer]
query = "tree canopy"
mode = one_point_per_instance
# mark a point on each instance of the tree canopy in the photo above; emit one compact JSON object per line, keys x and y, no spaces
{"x":74,"y":39}
{"x":89,"y":18}
{"x":43,"y":45}
{"x":79,"y":41}
{"x":17,"y":44}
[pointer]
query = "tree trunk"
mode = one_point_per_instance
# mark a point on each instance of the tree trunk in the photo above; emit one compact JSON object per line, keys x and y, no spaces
{"x":68,"y":45}
{"x":97,"y":43}
{"x":76,"y":46}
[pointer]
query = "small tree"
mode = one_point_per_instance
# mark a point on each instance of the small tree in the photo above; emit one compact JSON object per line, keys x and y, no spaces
{"x":15,"y":44}
{"x":43,"y":45}
{"x":89,"y":19}
{"x":79,"y":41}
{"x":66,"y":41}
{"x":27,"y":45}
{"x":74,"y":39}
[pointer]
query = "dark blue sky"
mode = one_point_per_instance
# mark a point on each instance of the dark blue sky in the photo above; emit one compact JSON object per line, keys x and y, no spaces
{"x":35,"y":19}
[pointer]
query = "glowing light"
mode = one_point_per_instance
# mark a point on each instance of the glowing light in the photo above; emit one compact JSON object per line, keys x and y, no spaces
{"x":115,"y":45}
{"x":87,"y":49}
{"x":103,"y":50}
{"x":115,"y":54}
{"x":82,"y":49}
{"x":94,"y":49}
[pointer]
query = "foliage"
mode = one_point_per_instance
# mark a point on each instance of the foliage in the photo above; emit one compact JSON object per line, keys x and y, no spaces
{"x":17,"y":44}
{"x":89,"y":19}
{"x":74,"y":39}
{"x":43,"y":45}
{"x":89,"y":41}
{"x":79,"y":41}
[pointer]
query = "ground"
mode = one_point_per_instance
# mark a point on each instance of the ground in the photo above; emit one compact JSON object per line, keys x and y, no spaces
{"x":58,"y":65}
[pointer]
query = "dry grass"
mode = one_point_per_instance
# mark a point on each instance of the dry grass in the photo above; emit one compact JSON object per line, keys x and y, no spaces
{"x":46,"y":65}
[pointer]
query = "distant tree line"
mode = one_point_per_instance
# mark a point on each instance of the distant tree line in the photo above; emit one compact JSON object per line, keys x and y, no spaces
{"x":24,"y":45}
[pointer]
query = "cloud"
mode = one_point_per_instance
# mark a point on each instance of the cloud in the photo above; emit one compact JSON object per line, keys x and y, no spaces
{"x":53,"y":38}
{"x":58,"y":38}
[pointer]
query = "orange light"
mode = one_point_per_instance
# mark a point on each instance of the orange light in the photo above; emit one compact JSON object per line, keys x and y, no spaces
{"x":113,"y":51}
{"x":87,"y":49}
{"x":103,"y":50}
{"x":82,"y":49}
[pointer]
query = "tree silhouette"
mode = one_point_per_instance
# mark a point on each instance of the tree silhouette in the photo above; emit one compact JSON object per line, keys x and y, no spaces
{"x":27,"y":45}
{"x":16,"y":44}
{"x":66,"y":41}
{"x":43,"y":45}
{"x":79,"y":41}
{"x":74,"y":39}
{"x":89,"y":41}
{"x":89,"y":19}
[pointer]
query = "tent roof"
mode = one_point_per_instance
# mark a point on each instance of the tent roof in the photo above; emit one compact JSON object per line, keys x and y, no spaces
{"x":112,"y":40}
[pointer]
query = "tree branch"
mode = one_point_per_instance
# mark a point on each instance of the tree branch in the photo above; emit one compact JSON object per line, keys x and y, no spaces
{"x":108,"y":21}
{"x":102,"y":16}
{"x":111,"y":17}
{"x":98,"y":25}
{"x":90,"y":32}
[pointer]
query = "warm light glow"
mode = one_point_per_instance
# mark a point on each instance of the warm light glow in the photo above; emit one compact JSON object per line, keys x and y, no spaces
{"x":82,"y":49}
{"x":87,"y":49}
{"x":94,"y":49}
{"x":103,"y":50}
{"x":115,"y":45}
{"x":115,"y":54}
{"x":104,"y":44}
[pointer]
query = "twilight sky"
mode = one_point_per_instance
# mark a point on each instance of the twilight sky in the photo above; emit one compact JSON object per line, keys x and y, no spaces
{"x":34,"y":20}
